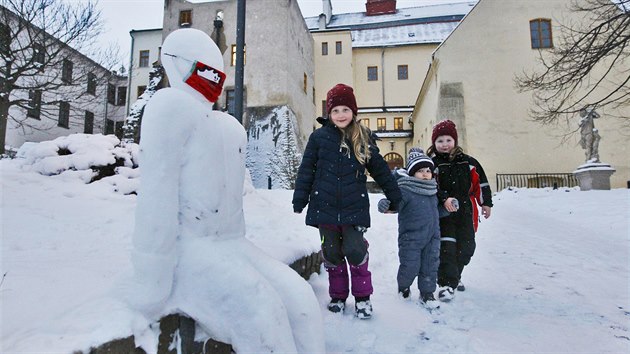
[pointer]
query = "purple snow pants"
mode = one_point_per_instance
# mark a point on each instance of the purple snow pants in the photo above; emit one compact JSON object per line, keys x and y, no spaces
{"x":341,"y":243}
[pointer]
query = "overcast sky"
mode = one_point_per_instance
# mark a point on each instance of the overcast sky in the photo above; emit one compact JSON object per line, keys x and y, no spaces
{"x":121,"y":16}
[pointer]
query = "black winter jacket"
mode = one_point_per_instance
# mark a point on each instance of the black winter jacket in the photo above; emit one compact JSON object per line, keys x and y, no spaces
{"x":333,"y":182}
{"x":464,"y":179}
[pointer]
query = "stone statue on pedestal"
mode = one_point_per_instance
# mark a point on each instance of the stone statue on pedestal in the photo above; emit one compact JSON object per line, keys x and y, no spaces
{"x":593,"y":174}
{"x":590,"y":136}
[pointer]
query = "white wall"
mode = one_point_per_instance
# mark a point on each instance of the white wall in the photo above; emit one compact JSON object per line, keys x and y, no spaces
{"x":150,"y":40}
{"x":484,"y":54}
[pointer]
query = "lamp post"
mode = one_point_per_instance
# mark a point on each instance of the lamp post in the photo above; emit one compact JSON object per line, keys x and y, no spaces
{"x":218,"y":24}
{"x":240,"y":46}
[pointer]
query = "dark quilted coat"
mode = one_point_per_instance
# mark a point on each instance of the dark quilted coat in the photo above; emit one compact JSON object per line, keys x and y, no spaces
{"x":417,"y":213}
{"x":333,"y":182}
{"x":462,"y":178}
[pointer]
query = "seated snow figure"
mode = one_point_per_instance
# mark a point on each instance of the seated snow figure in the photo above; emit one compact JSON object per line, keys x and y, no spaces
{"x":190,"y":252}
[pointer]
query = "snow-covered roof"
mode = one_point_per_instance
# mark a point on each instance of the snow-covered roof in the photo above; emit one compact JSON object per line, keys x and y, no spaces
{"x":401,"y":35}
{"x":386,"y":109}
{"x":413,"y":25}
{"x":391,"y":134}
{"x":433,"y":13}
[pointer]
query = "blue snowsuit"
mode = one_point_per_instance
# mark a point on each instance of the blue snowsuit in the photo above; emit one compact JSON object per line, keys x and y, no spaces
{"x":418,"y":232}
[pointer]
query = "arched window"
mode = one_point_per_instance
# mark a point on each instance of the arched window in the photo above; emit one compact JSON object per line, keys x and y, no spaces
{"x":540,"y":31}
{"x":394,"y":160}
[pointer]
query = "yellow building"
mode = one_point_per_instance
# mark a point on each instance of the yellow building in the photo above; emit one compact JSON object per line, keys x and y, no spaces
{"x":383,"y":53}
{"x":471,"y":81}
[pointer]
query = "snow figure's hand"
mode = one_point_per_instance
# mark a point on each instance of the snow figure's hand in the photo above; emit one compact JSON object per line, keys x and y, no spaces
{"x":383,"y":205}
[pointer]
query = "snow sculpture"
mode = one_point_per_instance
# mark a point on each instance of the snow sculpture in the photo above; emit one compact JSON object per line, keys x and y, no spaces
{"x":190,"y":252}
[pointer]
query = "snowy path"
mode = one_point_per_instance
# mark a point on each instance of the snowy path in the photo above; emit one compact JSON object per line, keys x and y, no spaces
{"x":551,"y":272}
{"x":550,"y":275}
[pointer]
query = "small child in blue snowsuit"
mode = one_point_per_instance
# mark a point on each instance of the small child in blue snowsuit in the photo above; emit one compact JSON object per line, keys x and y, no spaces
{"x":418,"y":227}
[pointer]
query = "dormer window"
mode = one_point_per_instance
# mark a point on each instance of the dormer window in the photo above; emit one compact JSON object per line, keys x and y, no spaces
{"x":540,"y":31}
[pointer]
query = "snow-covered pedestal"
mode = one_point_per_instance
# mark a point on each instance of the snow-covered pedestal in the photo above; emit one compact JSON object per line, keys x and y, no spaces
{"x":594,"y":175}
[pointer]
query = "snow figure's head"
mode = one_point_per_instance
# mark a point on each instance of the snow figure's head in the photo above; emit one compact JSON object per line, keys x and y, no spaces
{"x":193,"y":63}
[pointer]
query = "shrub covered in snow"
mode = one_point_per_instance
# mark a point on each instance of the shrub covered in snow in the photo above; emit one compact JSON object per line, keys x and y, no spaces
{"x":87,"y":157}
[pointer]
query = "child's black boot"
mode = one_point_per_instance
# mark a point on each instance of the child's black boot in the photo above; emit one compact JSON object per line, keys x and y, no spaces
{"x":446,"y":293}
{"x":336,"y":305}
{"x":429,"y":301}
{"x":460,"y":286}
{"x":363,"y":307}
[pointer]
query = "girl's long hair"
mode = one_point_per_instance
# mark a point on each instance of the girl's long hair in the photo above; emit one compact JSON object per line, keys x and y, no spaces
{"x":360,"y":137}
{"x":456,"y":151}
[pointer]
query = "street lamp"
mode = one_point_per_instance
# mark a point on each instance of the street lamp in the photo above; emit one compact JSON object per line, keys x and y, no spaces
{"x":218,"y":24}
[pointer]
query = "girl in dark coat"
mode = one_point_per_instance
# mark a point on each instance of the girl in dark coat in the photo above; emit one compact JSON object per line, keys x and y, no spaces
{"x":458,"y":176}
{"x":332,"y":181}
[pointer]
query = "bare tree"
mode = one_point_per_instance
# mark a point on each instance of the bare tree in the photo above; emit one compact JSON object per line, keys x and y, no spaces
{"x":588,"y":67}
{"x":42,"y":67}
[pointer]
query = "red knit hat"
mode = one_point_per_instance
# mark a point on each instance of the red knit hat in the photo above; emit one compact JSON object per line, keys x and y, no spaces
{"x":341,"y":95}
{"x":444,"y":127}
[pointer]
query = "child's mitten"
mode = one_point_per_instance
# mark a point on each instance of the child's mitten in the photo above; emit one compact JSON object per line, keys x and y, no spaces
{"x":383,"y":205}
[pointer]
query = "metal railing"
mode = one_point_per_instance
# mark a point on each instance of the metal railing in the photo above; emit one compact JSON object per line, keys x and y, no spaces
{"x":535,"y":180}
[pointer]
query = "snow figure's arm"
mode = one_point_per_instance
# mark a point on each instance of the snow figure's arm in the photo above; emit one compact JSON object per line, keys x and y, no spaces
{"x":164,"y":133}
{"x":306,"y":175}
{"x":165,"y":130}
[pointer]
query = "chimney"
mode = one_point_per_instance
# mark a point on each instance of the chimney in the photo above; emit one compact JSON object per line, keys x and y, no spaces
{"x":326,"y":15}
{"x":380,"y":7}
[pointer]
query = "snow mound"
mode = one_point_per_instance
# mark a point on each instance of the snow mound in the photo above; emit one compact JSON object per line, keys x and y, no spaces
{"x":85,"y":157}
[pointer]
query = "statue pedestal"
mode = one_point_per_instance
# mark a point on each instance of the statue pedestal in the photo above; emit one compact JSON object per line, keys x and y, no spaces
{"x":594,"y":175}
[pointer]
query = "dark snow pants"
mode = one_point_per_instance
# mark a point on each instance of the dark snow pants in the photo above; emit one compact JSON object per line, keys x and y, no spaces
{"x":457,"y":247}
{"x":419,"y":256}
{"x":341,"y":243}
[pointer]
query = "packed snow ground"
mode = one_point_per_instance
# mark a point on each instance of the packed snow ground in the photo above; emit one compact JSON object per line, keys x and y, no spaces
{"x":551,"y":271}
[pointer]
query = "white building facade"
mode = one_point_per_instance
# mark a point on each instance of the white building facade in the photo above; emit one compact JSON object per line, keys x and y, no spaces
{"x":69,"y":93}
{"x":472,"y":82}
{"x":383,"y":54}
{"x":145,"y":51}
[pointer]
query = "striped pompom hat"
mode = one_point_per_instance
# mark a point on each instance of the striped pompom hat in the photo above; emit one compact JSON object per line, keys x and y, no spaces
{"x":417,"y":159}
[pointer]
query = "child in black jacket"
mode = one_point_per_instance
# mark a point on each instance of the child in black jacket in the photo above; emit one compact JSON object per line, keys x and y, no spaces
{"x":459,"y":176}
